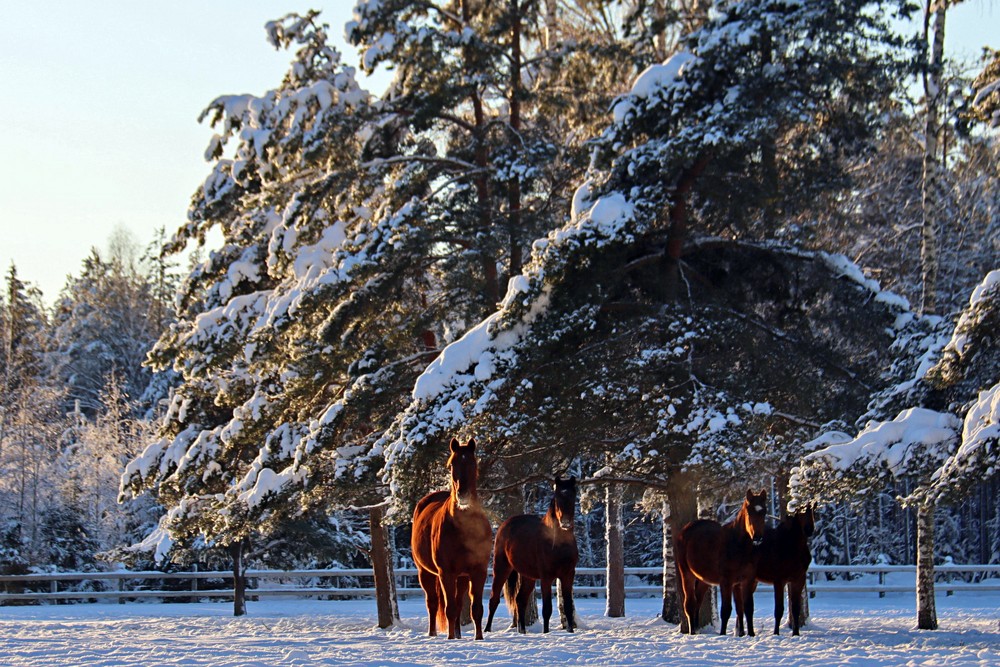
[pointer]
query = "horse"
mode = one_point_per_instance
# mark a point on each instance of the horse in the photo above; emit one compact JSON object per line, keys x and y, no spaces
{"x":708,"y":552}
{"x":530,"y":548}
{"x":783,"y":559}
{"x":451,"y":541}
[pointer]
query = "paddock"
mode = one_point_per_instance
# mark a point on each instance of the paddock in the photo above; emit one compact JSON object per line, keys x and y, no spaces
{"x":855,"y":628}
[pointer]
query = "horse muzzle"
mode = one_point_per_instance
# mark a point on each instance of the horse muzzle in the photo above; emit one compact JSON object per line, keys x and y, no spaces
{"x":757,"y":541}
{"x":566,"y":525}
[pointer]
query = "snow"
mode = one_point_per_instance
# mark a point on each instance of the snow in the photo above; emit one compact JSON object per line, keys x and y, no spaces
{"x":478,"y":348}
{"x":979,"y":451}
{"x":650,"y":82}
{"x":857,"y":629}
{"x":960,"y":337}
{"x":982,"y":423}
{"x":894,"y":442}
{"x":848,"y":269}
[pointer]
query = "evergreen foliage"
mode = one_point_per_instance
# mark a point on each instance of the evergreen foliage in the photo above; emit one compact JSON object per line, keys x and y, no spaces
{"x":668,"y":189}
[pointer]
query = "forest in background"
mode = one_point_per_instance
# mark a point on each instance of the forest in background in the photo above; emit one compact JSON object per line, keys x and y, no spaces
{"x":678,"y":334}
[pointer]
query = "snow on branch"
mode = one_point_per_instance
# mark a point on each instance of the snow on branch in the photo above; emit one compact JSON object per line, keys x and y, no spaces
{"x":912,"y":445}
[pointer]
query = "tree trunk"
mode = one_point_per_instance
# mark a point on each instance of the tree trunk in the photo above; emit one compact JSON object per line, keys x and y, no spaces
{"x":491,"y":289}
{"x":551,"y":25}
{"x":385,"y":579}
{"x":561,"y":600}
{"x":926,"y":612}
{"x":932,"y":195}
{"x":514,"y":185}
{"x":615,"y":552}
{"x":237,"y":552}
{"x":683,"y":503}
{"x":671,"y":612}
{"x":678,"y":226}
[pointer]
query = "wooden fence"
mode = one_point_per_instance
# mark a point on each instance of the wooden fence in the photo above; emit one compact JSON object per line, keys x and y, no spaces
{"x":123,"y":585}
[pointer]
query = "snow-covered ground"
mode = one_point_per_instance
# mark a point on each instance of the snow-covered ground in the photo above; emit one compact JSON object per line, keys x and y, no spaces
{"x":854,"y":629}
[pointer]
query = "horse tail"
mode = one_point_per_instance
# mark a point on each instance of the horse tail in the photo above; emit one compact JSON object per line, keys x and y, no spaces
{"x":442,"y":611}
{"x":510,"y":592}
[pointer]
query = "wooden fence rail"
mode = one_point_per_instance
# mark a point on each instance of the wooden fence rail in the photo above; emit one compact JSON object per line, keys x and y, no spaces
{"x":123,"y":585}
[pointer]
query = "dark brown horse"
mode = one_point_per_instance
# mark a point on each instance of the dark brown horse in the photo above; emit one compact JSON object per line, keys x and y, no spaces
{"x":783,"y":559}
{"x":708,"y":552}
{"x":530,"y":548}
{"x":451,"y":545}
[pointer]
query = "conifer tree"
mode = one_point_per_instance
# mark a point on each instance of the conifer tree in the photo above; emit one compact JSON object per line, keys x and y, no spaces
{"x":986,"y":102}
{"x":102,"y":328}
{"x":620,"y":340}
{"x":275,"y":202}
{"x":30,"y":416}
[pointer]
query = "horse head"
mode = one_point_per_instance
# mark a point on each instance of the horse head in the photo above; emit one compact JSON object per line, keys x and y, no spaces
{"x":754,"y":512}
{"x":462,"y":464}
{"x":564,"y":502}
{"x":806,"y":520}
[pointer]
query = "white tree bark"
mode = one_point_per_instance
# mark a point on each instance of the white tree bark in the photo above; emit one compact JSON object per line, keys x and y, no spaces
{"x":932,"y":195}
{"x":926,"y":611}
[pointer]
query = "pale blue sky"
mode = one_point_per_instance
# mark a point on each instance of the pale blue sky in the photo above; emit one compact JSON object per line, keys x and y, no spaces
{"x":100,"y":101}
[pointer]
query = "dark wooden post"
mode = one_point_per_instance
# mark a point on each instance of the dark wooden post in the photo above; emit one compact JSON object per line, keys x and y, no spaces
{"x":385,"y":577}
{"x":614,"y":530}
{"x":237,"y":551}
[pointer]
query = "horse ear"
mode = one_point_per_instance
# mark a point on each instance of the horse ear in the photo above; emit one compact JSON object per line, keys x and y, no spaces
{"x":749,"y":494}
{"x":455,"y":444}
{"x":472,"y":444}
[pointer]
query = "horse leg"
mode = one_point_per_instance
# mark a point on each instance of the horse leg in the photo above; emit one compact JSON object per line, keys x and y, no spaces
{"x":525,"y":587}
{"x":726,"y":589}
{"x":779,"y":605}
{"x":690,"y":602}
{"x":478,"y":582}
{"x":546,"y":603}
{"x":566,"y":583}
{"x":501,"y":570}
{"x":795,"y":603}
{"x":740,"y":602}
{"x":432,"y":594}
{"x":701,"y":589}
{"x":463,"y":593}
{"x":452,"y":603}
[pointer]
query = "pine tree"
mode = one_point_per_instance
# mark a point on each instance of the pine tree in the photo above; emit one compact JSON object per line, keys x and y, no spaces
{"x":102,"y":327}
{"x":968,"y":376}
{"x":986,"y":102}
{"x":30,"y":417}
{"x":598,"y":354}
{"x":275,"y":203}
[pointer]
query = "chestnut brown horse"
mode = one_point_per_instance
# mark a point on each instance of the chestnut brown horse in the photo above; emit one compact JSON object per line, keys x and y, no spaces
{"x":783,"y":559}
{"x":708,"y":552}
{"x":530,"y":548}
{"x":451,"y":545}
